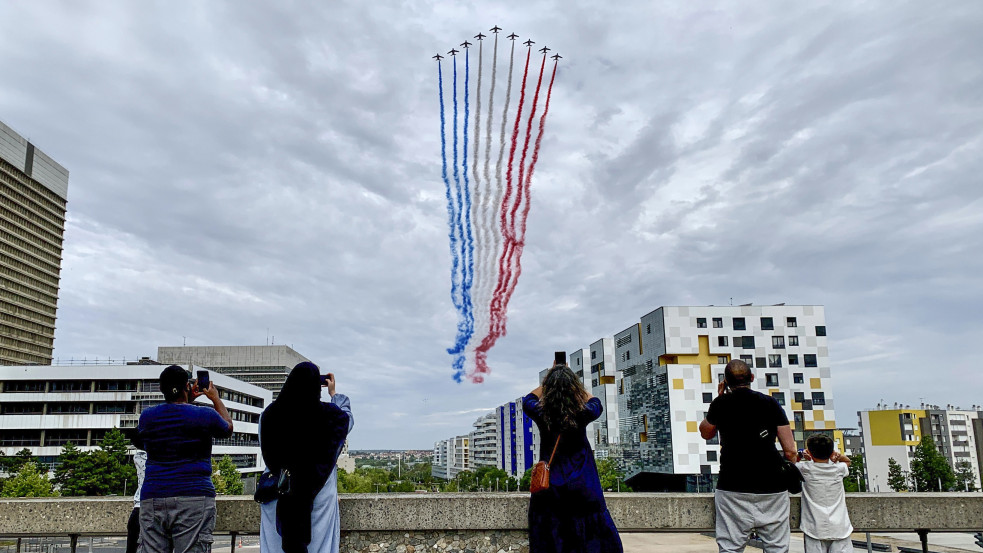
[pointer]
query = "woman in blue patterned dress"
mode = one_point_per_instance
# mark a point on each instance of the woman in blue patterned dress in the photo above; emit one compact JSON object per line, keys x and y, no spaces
{"x":570,"y":515}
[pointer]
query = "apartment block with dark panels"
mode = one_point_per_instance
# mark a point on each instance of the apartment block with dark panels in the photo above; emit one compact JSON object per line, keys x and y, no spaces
{"x":33,"y":199}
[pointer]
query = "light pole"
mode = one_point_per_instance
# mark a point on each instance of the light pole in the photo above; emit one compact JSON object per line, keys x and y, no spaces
{"x":618,"y":478}
{"x":496,"y":484}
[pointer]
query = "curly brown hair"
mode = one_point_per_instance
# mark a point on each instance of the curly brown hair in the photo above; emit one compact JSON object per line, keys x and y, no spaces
{"x":563,"y":398}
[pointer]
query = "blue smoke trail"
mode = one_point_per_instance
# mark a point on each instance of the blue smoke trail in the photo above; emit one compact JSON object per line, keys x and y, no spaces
{"x":459,"y":342}
{"x":451,"y":212}
{"x":468,"y":254}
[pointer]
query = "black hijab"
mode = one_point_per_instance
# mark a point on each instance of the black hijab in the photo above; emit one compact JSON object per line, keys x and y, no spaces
{"x":304,"y":435}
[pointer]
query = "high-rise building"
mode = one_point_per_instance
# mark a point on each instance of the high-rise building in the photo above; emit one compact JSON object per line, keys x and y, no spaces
{"x":518,"y":439}
{"x":45,"y":407}
{"x":264,"y":366}
{"x":451,"y":457}
{"x":671,"y":362}
{"x":33,"y":199}
{"x":894,"y":433}
{"x":485,"y":441}
{"x":596,"y":368}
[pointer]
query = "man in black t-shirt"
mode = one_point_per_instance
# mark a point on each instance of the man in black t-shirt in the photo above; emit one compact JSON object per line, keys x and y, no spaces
{"x":750,"y":494}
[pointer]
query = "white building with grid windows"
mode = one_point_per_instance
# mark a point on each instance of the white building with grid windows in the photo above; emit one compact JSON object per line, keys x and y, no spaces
{"x":670,"y":363}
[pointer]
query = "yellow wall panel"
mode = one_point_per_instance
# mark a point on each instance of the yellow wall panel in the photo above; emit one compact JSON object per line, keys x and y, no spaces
{"x":677,"y":384}
{"x":815,"y":383}
{"x":692,"y":426}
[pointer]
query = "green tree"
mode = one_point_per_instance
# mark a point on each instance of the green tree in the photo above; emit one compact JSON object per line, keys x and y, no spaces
{"x":965,"y":477}
{"x":68,"y":477}
{"x":854,"y":481}
{"x":930,"y":468}
{"x":895,"y":477}
{"x":226,"y":478}
{"x":611,"y":477}
{"x":28,"y":482}
{"x":104,"y":471}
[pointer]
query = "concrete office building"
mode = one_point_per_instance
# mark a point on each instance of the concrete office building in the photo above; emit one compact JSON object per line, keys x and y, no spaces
{"x":894,"y":433}
{"x":33,"y":199}
{"x":671,"y":362}
{"x":451,"y":456}
{"x":264,"y":366}
{"x":45,"y":407}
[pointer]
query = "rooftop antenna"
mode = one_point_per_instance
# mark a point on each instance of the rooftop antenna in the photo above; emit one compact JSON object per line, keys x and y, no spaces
{"x":184,"y":340}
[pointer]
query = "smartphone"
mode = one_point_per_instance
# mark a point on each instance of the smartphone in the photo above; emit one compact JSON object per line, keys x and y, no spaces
{"x":559,"y":358}
{"x":324,"y":380}
{"x":202,"y":381}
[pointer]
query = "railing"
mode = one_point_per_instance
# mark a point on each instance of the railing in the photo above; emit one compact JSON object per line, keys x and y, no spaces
{"x":392,"y":516}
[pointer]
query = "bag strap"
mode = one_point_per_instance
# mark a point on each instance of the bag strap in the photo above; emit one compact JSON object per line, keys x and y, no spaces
{"x":554,"y":451}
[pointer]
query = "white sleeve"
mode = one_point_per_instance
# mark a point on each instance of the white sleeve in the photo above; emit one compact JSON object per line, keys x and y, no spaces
{"x":843,"y":470}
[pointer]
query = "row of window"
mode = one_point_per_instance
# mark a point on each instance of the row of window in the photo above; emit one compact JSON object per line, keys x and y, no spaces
{"x":30,"y":247}
{"x":774,"y":360}
{"x":40,"y":194}
{"x":69,"y":386}
{"x":767,"y":323}
{"x":18,"y":225}
{"x":13,"y":356}
{"x":747,"y":342}
{"x":817,"y":398}
{"x":67,"y":408}
{"x":38,"y":224}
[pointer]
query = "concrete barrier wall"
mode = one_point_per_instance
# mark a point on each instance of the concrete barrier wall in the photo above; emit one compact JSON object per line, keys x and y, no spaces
{"x":421,"y":517}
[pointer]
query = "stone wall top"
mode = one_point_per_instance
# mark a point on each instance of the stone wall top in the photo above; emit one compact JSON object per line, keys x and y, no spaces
{"x":632,"y":512}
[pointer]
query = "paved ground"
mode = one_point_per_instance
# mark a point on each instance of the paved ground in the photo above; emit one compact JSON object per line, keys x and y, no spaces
{"x":693,"y":543}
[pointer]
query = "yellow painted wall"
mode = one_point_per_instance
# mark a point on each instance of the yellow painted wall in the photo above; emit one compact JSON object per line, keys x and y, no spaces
{"x":885,"y":426}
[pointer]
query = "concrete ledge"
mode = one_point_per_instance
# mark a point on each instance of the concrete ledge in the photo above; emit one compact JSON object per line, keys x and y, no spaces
{"x":634,"y":512}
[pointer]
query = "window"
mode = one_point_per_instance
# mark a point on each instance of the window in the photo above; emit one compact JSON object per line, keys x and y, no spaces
{"x":799,"y":397}
{"x":21,"y":408}
{"x":722,"y":341}
{"x":720,"y":377}
{"x":626,"y":355}
{"x":767,"y":323}
{"x":771,"y":380}
{"x":820,"y":331}
{"x":722,"y":360}
{"x":593,"y":355}
{"x":819,"y":398}
{"x":707,"y":397}
{"x":793,"y":340}
{"x":778,"y":342}
{"x":797,"y":378}
{"x":110,"y":408}
{"x":810,"y":359}
{"x":23,"y":386}
{"x":711,"y":456}
{"x":790,"y":322}
{"x":116,"y":385}
{"x":747,"y":342}
{"x":774,"y":360}
{"x":779,"y":397}
{"x":759,"y":362}
{"x":701,"y":322}
{"x":737,"y":342}
{"x":748,"y":359}
{"x":69,"y":386}
{"x":66,"y":408}
{"x":718,"y":322}
{"x":739,"y":323}
{"x":648,"y":329}
{"x":800,"y":418}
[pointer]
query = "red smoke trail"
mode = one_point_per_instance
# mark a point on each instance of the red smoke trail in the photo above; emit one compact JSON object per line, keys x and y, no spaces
{"x":528,"y":185}
{"x":496,"y":315}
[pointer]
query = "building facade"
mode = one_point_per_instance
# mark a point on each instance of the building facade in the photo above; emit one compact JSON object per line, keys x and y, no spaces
{"x":451,"y":457}
{"x":33,"y":200}
{"x":518,"y":439}
{"x":894,"y":433}
{"x":485,"y":441}
{"x":263,"y":366}
{"x":599,"y":373}
{"x":45,"y":407}
{"x":671,"y":362}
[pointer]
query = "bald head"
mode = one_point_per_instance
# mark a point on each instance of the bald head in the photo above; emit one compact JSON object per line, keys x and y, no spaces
{"x":738,"y":374}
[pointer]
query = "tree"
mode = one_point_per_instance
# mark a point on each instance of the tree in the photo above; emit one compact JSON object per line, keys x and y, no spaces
{"x":226,"y":478}
{"x":930,"y":468}
{"x":965,"y":477}
{"x":895,"y":477}
{"x":855,"y":481}
{"x":28,"y":482}
{"x":104,"y":471}
{"x":611,"y":477}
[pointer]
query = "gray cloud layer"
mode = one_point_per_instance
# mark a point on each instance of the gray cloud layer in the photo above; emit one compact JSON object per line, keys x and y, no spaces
{"x":240,"y":166}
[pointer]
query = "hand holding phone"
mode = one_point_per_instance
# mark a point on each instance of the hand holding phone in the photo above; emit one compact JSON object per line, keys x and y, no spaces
{"x":559,"y":358}
{"x":203,"y":381}
{"x":328,"y":380}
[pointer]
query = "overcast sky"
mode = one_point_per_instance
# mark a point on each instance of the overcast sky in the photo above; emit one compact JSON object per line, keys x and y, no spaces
{"x":243,"y":166}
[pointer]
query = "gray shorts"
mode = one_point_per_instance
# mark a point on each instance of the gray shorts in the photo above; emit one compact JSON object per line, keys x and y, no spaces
{"x":739,"y":513}
{"x":812,"y":545}
{"x":177,"y":525}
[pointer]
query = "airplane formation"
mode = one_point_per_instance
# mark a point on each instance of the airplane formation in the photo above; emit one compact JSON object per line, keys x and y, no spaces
{"x":495,"y":30}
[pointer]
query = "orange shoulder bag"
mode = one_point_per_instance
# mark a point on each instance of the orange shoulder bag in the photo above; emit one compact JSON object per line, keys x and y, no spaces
{"x":540,"y":478}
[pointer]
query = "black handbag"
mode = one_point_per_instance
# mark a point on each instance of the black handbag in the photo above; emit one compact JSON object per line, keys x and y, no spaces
{"x":790,"y":475}
{"x":272,"y":486}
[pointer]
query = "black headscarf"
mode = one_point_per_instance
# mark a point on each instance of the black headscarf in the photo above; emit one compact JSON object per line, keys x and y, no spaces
{"x":301,"y":433}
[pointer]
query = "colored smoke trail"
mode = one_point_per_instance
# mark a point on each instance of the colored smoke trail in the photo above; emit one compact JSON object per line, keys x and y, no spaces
{"x":464,"y":205}
{"x":452,"y":234}
{"x":478,"y":215}
{"x":462,"y":258}
{"x":528,"y":187}
{"x":497,"y":316}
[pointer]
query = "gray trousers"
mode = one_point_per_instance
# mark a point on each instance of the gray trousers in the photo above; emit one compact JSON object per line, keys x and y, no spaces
{"x":812,"y":545}
{"x":177,"y":525}
{"x":740,"y":513}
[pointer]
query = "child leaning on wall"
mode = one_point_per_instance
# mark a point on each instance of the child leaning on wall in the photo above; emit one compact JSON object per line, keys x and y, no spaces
{"x":825,"y":521}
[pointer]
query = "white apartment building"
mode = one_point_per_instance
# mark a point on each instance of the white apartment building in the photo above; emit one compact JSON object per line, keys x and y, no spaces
{"x":44,"y":407}
{"x":264,"y":366}
{"x":893,"y":432}
{"x":598,"y":371}
{"x":485,"y":441}
{"x":671,"y":361}
{"x":451,"y":456}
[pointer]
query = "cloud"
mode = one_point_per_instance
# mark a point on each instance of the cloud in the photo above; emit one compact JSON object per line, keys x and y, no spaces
{"x":243,"y":166}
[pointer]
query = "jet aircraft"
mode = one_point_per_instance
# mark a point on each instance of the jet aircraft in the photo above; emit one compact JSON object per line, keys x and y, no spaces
{"x":438,"y":57}
{"x":544,"y":49}
{"x":512,"y":37}
{"x":465,"y":44}
{"x":529,"y":42}
{"x":453,"y":52}
{"x":495,"y":29}
{"x":556,"y":57}
{"x":479,"y":36}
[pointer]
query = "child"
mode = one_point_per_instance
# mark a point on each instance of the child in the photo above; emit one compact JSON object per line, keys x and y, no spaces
{"x":825,"y":521}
